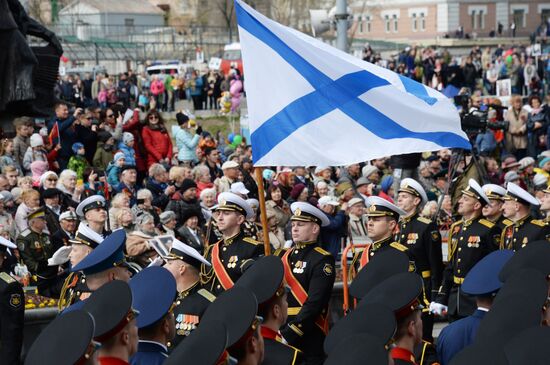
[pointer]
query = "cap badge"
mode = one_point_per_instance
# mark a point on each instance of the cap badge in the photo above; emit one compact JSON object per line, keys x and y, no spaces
{"x":298,"y":212}
{"x":223,"y":202}
{"x":372,"y":208}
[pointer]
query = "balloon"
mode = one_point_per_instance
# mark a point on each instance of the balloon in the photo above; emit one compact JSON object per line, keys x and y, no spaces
{"x":231,"y":138}
{"x":237,"y":140}
{"x":509,"y":59}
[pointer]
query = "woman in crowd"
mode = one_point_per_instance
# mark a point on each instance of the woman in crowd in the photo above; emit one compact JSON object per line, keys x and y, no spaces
{"x":208,"y":200}
{"x":276,"y":202}
{"x":69,"y":189}
{"x":201,"y":175}
{"x":156,"y":140}
{"x":31,"y":202}
{"x":516,"y":135}
{"x":121,"y":200}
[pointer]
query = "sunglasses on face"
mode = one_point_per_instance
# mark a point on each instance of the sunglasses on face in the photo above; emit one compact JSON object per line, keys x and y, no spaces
{"x":51,"y":179}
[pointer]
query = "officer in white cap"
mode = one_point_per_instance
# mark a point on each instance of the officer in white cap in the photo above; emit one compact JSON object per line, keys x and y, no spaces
{"x":184,"y":263}
{"x":94,"y":211}
{"x":423,"y":239}
{"x":235,"y":251}
{"x":493,"y":211}
{"x":470,"y":239}
{"x":383,"y":217}
{"x":524,"y":229}
{"x":68,"y":221}
{"x":309,"y":272}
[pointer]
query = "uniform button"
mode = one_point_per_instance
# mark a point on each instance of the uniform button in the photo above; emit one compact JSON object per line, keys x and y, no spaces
{"x":514,"y":240}
{"x":459,"y":249}
{"x":178,"y":302}
{"x":461,"y":238}
{"x":295,"y":251}
{"x":459,"y":260}
{"x":372,"y":253}
{"x":458,"y":271}
{"x":517,"y":229}
{"x":402,"y":236}
{"x":218,"y":287}
{"x":404,"y":226}
{"x":299,"y":325}
{"x":224,"y":249}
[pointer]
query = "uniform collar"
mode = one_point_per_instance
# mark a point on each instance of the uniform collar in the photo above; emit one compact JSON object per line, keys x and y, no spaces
{"x":376,"y":245}
{"x":522,"y":220}
{"x":230,"y":240}
{"x":107,"y":360}
{"x":303,"y":245}
{"x":271,"y":334}
{"x":400,"y":353}
{"x":410,"y":218}
{"x":187,"y":291}
{"x":151,"y":346}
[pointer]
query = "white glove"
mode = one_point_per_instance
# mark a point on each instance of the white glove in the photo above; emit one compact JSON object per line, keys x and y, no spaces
{"x":158,"y":261}
{"x":437,"y":308}
{"x":60,"y":256}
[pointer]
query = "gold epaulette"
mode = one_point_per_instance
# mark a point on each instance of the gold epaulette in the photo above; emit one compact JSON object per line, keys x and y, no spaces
{"x":538,"y":222}
{"x":453,"y":225}
{"x":6,"y":277}
{"x":278,"y":252}
{"x":321,"y":251}
{"x":399,"y":246}
{"x":507,"y":222}
{"x":207,"y":295}
{"x":486,"y":223}
{"x":252,"y":241}
{"x":424,"y":220}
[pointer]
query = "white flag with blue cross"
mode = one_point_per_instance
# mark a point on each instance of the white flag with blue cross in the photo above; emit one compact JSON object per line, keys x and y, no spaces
{"x":312,"y":104}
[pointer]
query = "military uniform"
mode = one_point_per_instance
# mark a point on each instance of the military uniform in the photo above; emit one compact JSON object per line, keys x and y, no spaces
{"x":518,"y":234}
{"x":470,"y":241}
{"x":502,"y":222}
{"x":421,"y":237}
{"x":313,"y":269}
{"x":527,"y":229}
{"x":12,"y":313}
{"x":189,"y":307}
{"x":276,"y":352}
{"x":229,"y":258}
{"x":35,"y":250}
{"x":383,"y":245}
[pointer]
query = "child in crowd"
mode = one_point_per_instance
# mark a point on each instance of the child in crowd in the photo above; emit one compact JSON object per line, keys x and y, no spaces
{"x":35,"y":152}
{"x":7,"y":157}
{"x":105,"y":148}
{"x":78,"y":162}
{"x":114,"y":168}
{"x":126,"y":146}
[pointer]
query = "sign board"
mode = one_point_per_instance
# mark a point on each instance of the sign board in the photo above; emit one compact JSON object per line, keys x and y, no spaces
{"x":504,"y":88}
{"x":215,"y":63}
{"x":536,"y":50}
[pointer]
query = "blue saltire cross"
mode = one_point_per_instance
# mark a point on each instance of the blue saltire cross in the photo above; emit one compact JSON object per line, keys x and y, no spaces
{"x":342,"y":94}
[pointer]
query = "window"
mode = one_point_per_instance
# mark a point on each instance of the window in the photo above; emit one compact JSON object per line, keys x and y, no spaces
{"x":368,"y":23}
{"x":519,"y":18}
{"x":414,"y":22}
{"x":422,"y":22}
{"x":395,"y":23}
{"x":387,"y":23}
{"x":129,"y":25}
{"x":361,"y":25}
{"x":545,"y":15}
{"x":473,"y":20}
{"x":481,"y":21}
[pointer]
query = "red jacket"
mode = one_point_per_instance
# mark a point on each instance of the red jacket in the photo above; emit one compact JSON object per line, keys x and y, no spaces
{"x":158,"y":145}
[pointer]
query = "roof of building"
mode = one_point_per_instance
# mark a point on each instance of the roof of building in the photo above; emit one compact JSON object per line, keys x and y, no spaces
{"x":117,"y":7}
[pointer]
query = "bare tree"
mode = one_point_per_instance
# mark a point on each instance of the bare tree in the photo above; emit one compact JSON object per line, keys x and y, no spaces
{"x":227,"y":10}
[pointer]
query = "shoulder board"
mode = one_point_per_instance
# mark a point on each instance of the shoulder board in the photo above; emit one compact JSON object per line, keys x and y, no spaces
{"x":487,"y":223}
{"x":252,"y":241}
{"x":424,"y":220}
{"x":207,"y":295}
{"x":321,"y":251}
{"x":278,"y":252}
{"x":538,"y":222}
{"x":26,"y":232}
{"x":6,"y":277}
{"x":399,"y":246}
{"x":507,"y":222}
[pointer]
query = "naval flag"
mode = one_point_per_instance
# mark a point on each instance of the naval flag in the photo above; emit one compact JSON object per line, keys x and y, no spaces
{"x":312,"y":104}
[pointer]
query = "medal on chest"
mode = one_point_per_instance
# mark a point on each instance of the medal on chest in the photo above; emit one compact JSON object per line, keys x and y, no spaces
{"x":299,"y":267}
{"x":185,"y":323}
{"x":232,"y":263}
{"x":473,"y":241}
{"x":38,"y":245}
{"x":411,"y":238}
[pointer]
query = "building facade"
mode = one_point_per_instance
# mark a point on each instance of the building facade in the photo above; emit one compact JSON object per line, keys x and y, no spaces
{"x":429,"y":19}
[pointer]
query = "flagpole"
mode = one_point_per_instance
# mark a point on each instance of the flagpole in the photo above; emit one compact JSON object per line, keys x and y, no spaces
{"x":263,"y":214}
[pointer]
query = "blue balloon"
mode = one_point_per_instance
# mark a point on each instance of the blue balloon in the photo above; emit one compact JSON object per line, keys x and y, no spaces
{"x":230,"y":137}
